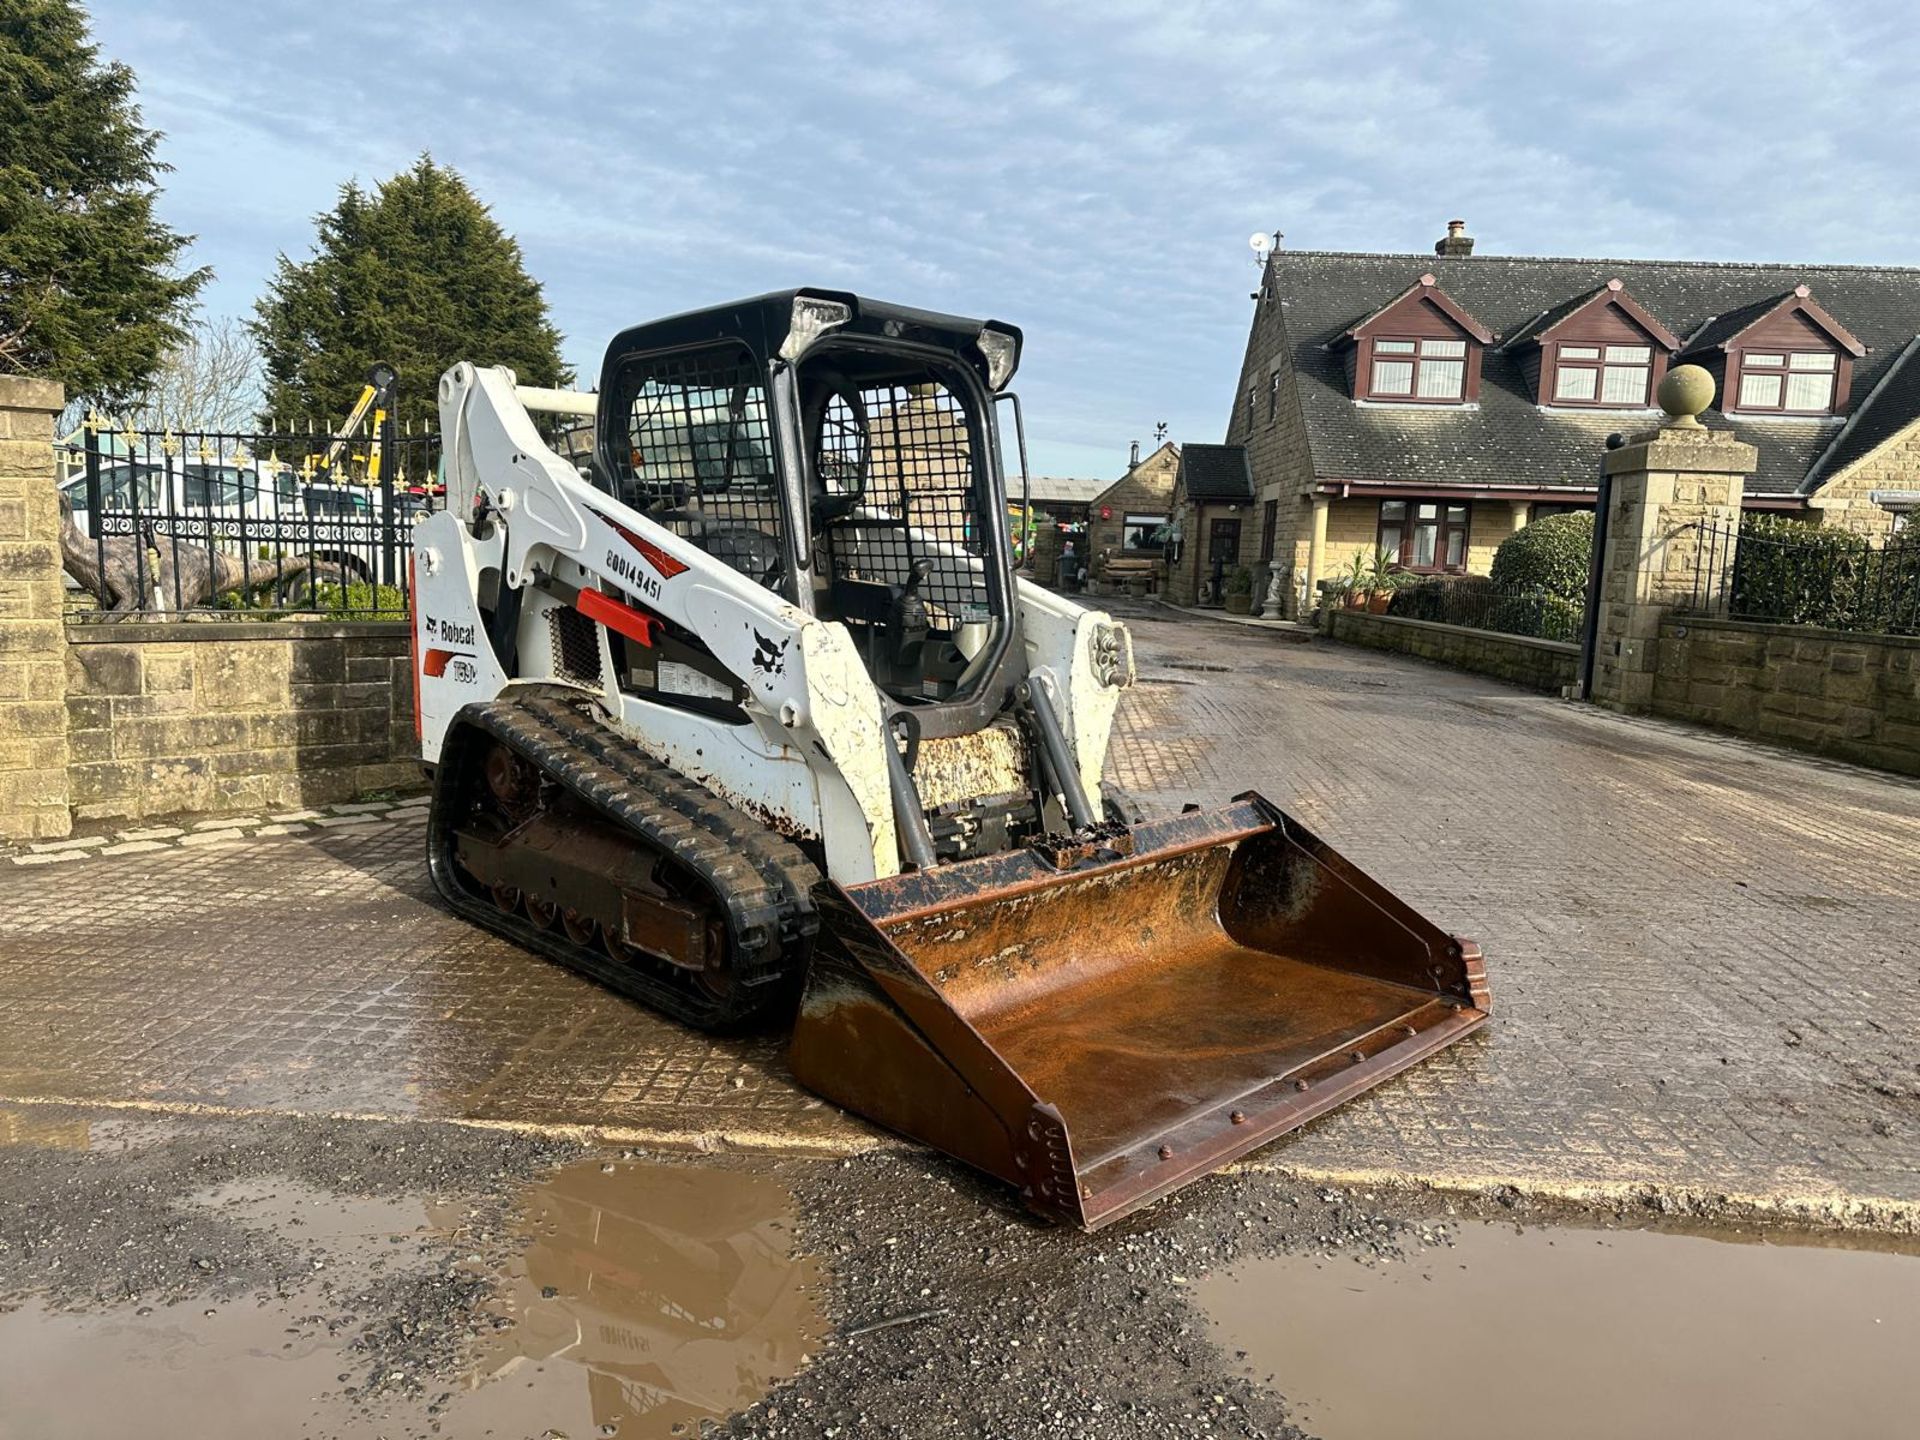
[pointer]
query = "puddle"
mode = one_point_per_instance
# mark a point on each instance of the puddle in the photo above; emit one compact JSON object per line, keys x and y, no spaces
{"x":651,"y":1297}
{"x":1582,"y":1334}
{"x":243,"y":1371}
{"x":306,"y":1214}
{"x":660,"y":1295}
{"x":54,"y":1130}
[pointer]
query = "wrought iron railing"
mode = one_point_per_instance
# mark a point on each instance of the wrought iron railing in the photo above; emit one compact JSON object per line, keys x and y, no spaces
{"x":1476,"y":603}
{"x":1785,"y":574}
{"x":159,"y":522}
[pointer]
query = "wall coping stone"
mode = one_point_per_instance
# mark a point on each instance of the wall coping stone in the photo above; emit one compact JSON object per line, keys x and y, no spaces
{"x":26,"y":392}
{"x":1553,"y":647}
{"x":177,"y":632}
{"x":1802,"y":632}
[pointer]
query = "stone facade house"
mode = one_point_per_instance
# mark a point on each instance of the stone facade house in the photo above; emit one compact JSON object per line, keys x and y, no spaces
{"x":1430,"y":405}
{"x":1129,"y":518}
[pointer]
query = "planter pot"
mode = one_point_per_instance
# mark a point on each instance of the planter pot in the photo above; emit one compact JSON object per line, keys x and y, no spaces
{"x":1377,"y":604}
{"x":1239,"y":604}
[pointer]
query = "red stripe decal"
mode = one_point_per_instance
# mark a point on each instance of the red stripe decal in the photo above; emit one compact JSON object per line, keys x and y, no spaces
{"x":632,"y":623}
{"x":659,"y":559}
{"x":434,"y":663}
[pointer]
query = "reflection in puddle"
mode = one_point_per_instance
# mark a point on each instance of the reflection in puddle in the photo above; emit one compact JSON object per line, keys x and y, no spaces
{"x":1582,"y":1333}
{"x":650,"y":1298}
{"x":674,"y":1288}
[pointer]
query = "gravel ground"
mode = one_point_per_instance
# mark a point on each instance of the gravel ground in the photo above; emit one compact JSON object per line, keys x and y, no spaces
{"x":952,"y":1312}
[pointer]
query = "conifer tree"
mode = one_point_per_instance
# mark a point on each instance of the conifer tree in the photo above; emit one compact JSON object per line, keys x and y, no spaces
{"x":91,"y":293}
{"x":416,"y":274}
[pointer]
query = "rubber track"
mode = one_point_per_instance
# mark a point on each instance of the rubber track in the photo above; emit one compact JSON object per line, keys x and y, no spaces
{"x":763,"y":880}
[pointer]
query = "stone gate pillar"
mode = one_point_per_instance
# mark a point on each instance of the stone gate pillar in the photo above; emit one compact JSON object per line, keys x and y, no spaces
{"x":1666,"y":484}
{"x":33,"y":635}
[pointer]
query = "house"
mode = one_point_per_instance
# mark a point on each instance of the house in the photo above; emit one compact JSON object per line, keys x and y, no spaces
{"x":1129,"y":519}
{"x":1212,"y":507}
{"x":1431,"y":405}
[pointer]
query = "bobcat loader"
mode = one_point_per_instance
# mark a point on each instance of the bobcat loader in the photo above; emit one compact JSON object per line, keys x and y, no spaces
{"x":754,"y":708}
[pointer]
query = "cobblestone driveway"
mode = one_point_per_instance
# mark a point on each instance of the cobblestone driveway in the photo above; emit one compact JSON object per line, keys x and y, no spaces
{"x":1703,"y":953}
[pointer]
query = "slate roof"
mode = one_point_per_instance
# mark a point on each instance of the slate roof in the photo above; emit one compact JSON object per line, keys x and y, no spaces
{"x":1507,"y":439}
{"x":1216,"y":472}
{"x":1877,"y":417}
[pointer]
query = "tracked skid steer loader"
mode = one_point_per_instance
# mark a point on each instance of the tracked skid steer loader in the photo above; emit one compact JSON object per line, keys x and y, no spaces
{"x":753,"y":715}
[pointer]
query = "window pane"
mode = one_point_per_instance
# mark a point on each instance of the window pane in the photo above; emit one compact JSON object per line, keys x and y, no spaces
{"x":1579,"y":352}
{"x":1393,"y":347}
{"x":1573,"y":383}
{"x":1428,"y":512}
{"x":1625,"y":385}
{"x":1425,"y":539}
{"x":1390,"y":540}
{"x":1809,"y":392}
{"x":1456,"y":515}
{"x":1442,"y":379}
{"x":1393,"y":377}
{"x":1629,"y":355}
{"x":1443,"y":347}
{"x":1810,"y":360}
{"x":1760,"y":390}
{"x":1765,"y":360}
{"x":1456,"y":547}
{"x":1393,"y":510}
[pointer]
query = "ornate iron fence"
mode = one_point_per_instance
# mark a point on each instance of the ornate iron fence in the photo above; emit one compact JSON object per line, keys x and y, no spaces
{"x":159,"y":522}
{"x":1476,"y":603}
{"x":1789,"y":574}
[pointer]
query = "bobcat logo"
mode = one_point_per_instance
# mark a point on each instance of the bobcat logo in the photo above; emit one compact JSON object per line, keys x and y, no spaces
{"x":770,"y":657}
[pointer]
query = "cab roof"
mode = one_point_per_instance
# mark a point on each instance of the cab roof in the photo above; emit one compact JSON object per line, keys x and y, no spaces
{"x":762,"y":324}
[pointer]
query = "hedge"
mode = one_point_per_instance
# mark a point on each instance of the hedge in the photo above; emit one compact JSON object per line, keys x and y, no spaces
{"x":1552,"y":554}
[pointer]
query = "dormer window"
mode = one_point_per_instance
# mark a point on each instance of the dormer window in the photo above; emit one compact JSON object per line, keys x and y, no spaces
{"x":1794,"y":382}
{"x":1603,"y":375}
{"x":1602,"y":350}
{"x":1784,"y":355}
{"x":1420,"y":369}
{"x":1420,"y":348}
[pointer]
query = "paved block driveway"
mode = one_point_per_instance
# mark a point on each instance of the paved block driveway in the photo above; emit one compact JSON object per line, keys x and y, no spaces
{"x":1703,"y":953}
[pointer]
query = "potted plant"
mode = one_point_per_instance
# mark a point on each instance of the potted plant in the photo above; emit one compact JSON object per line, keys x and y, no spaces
{"x":1383,"y":577}
{"x":1355,"y":586}
{"x":1239,"y":599}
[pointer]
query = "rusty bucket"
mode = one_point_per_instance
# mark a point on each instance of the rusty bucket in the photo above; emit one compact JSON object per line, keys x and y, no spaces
{"x":1100,"y":1029}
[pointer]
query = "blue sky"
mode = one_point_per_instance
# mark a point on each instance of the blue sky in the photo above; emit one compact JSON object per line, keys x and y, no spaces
{"x":1090,"y":172}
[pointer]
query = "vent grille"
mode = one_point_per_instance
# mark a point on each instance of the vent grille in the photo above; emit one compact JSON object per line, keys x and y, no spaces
{"x":576,"y":645}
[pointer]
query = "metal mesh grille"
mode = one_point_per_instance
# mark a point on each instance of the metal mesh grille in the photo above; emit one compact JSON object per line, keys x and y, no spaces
{"x":923,"y":494}
{"x":699,"y":455}
{"x":576,"y":645}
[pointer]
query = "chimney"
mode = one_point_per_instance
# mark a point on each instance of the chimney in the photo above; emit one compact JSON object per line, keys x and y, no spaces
{"x":1457,"y":241}
{"x":1133,"y":456}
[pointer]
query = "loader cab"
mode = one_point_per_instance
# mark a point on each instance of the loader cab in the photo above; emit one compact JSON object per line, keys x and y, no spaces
{"x":845,"y":454}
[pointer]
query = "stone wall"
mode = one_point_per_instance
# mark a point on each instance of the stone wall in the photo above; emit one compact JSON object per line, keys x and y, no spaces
{"x":177,"y":716}
{"x":1546,"y":665}
{"x":1845,"y":501}
{"x":33,"y":732}
{"x":1852,"y":696}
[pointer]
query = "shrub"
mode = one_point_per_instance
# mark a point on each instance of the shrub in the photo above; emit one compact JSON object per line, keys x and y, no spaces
{"x":358,"y":600}
{"x":1552,"y":554}
{"x":1240,"y":582}
{"x":1541,"y":615}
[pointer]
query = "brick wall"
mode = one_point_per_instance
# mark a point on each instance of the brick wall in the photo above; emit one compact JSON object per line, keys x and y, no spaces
{"x":182,"y":716}
{"x":1852,"y":696}
{"x":1545,"y":665}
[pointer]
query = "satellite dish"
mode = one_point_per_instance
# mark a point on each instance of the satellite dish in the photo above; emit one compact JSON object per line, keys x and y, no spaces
{"x":1258,"y":242}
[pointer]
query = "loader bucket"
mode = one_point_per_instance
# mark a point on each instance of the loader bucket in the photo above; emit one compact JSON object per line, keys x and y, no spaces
{"x":1100,"y":1029}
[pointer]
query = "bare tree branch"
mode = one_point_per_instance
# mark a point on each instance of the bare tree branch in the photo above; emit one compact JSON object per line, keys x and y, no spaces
{"x":211,"y":382}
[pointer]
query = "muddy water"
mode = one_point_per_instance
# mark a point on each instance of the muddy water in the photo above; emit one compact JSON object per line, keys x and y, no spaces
{"x":1513,"y":1335}
{"x":661,"y":1294}
{"x":649,"y":1297}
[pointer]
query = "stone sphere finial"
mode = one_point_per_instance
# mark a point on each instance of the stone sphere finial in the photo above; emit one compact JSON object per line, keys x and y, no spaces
{"x":1686,"y":391}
